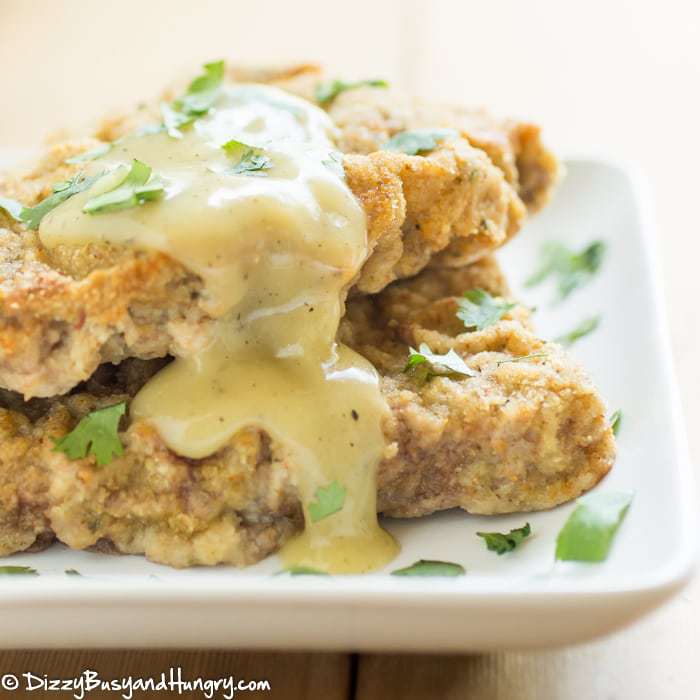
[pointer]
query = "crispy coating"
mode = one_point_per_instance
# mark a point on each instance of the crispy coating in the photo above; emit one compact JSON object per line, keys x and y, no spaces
{"x":368,"y":117}
{"x":66,"y":310}
{"x":524,"y":434}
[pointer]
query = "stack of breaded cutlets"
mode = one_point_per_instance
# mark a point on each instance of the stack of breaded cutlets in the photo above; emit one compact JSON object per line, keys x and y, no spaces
{"x":85,"y":328}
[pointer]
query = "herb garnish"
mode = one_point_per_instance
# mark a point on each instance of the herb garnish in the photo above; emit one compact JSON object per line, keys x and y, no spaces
{"x":72,"y":572}
{"x":173,"y":120}
{"x":90,"y":155}
{"x":335,"y":163}
{"x":203,"y":90}
{"x":426,"y":567}
{"x":303,"y":571}
{"x":583,"y":329}
{"x":479,"y":310}
{"x":200,"y":97}
{"x":12,"y":207}
{"x":328,"y":91}
{"x":501,"y":543}
{"x":329,"y":500}
{"x":18,"y":570}
{"x":571,"y":269}
{"x":523,"y":358}
{"x":136,"y":187}
{"x":414,"y":143}
{"x":615,"y":420}
{"x":250,"y":159}
{"x":96,"y":434}
{"x":429,"y":364}
{"x":62,"y":191}
{"x":588,"y":533}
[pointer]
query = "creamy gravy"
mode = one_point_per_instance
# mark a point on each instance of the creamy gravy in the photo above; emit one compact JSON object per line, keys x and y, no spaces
{"x":276,"y":250}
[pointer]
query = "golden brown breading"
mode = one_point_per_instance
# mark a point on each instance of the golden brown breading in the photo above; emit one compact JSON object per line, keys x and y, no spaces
{"x":524,"y":434}
{"x":368,"y":117}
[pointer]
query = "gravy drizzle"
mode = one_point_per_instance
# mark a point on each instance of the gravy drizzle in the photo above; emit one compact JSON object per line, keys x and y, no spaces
{"x":277,"y":249}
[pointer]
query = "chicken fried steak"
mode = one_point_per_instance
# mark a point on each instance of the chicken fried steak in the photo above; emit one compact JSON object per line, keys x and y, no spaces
{"x":232,"y":323}
{"x":527,"y":432}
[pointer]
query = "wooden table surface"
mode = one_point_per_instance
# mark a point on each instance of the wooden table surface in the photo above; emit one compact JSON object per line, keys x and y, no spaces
{"x":617,"y":78}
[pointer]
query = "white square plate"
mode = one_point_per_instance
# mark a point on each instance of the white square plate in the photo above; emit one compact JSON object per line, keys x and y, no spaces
{"x":519,"y":600}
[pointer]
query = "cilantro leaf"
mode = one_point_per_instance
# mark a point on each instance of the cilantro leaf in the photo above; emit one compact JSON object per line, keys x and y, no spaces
{"x":414,"y":143}
{"x":523,"y":358}
{"x":12,"y":207}
{"x":328,"y":91}
{"x":426,"y":567}
{"x":479,"y":310}
{"x":329,"y":500}
{"x":588,"y":533}
{"x":582,"y":330}
{"x":200,"y":97}
{"x":501,"y":543}
{"x":571,"y":269}
{"x":62,"y":191}
{"x":615,"y":420}
{"x":334,"y":162}
{"x":303,"y":571}
{"x":203,"y":90}
{"x":137,"y":187}
{"x":97,"y":433}
{"x":173,"y":120}
{"x":250,"y":159}
{"x":18,"y":570}
{"x":431,"y":365}
{"x":72,"y":572}
{"x":90,"y":155}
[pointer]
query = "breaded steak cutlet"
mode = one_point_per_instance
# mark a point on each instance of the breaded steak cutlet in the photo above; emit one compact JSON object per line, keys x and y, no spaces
{"x":65,"y":310}
{"x":527,"y":432}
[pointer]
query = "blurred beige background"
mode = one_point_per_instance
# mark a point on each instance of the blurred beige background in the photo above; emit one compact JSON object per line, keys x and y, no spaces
{"x":616,"y":78}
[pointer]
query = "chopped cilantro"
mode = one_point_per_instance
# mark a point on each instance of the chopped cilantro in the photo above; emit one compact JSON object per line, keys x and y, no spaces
{"x":479,"y":310}
{"x":90,"y":155}
{"x":426,"y":567}
{"x":430,"y":365}
{"x":137,"y":187}
{"x":250,"y":159}
{"x":173,"y":120}
{"x":570,"y":269}
{"x":203,"y":90}
{"x":523,"y":358}
{"x":200,"y":97}
{"x":583,"y":329}
{"x":62,"y":191}
{"x":501,"y":543}
{"x":329,"y":500}
{"x":328,"y":91}
{"x":588,"y":533}
{"x":18,"y":570}
{"x":151,"y":129}
{"x":303,"y":571}
{"x":334,"y":162}
{"x":12,"y":207}
{"x":615,"y":421}
{"x":72,"y":572}
{"x":97,"y":434}
{"x":414,"y":143}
